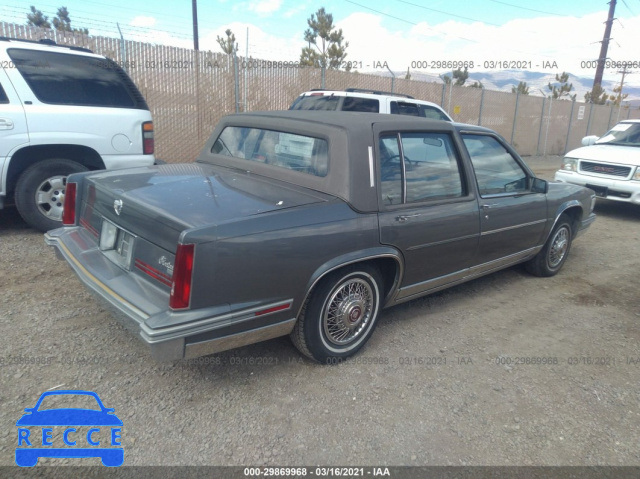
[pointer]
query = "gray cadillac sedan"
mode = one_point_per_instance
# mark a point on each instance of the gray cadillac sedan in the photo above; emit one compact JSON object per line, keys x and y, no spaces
{"x":309,"y":224}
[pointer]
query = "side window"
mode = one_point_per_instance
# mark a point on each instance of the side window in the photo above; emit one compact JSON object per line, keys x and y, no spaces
{"x":3,"y":96}
{"x":497,"y":171}
{"x":361,"y":104}
{"x":390,"y":170}
{"x":431,"y":167}
{"x":404,"y":108}
{"x":431,"y":112}
{"x":426,"y":168}
{"x":68,"y":79}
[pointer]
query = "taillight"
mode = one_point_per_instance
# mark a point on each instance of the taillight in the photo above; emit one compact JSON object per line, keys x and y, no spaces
{"x":182,"y":275}
{"x":69,"y":208}
{"x":147,"y":138}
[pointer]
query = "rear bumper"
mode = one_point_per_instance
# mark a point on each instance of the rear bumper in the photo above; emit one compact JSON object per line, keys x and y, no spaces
{"x":139,"y":305}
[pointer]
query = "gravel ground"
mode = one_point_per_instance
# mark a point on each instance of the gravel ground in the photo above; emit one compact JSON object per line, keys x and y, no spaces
{"x":437,"y":384}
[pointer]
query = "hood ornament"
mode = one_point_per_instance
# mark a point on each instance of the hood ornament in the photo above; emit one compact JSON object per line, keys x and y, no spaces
{"x":117,"y":206}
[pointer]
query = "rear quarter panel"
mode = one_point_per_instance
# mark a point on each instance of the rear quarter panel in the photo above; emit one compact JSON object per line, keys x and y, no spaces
{"x":272,"y":257}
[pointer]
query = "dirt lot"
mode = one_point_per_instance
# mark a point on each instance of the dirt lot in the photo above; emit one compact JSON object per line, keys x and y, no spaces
{"x":451,"y":379}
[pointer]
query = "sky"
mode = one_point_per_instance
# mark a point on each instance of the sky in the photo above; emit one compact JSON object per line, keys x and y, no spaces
{"x":544,"y":36}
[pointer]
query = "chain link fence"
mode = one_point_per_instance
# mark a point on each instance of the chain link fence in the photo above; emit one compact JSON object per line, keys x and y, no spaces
{"x":188,"y":92}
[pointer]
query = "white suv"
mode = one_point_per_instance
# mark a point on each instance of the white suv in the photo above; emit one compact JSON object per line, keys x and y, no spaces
{"x":64,"y":110}
{"x":356,"y":99}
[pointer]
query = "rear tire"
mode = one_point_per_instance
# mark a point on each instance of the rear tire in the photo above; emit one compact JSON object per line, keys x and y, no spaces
{"x":340,"y":315}
{"x":40,"y":189}
{"x":555,"y":251}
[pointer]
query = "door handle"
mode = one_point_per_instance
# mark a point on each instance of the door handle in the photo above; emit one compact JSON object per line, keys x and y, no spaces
{"x":487,"y":206}
{"x":403,"y":218}
{"x":6,"y":124}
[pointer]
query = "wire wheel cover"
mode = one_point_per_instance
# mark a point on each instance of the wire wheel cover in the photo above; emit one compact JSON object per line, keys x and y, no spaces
{"x":348,"y":311}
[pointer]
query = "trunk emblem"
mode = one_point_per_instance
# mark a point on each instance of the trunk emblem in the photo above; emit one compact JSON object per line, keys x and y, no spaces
{"x":117,"y":206}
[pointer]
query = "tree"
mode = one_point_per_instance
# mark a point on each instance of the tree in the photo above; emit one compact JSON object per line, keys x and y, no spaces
{"x":477,"y":84}
{"x":61,"y":22}
{"x":460,"y":76}
{"x":562,"y":88}
{"x":620,"y":97}
{"x":408,"y":75}
{"x":37,"y":19}
{"x":522,"y":88}
{"x":597,"y":95}
{"x":228,"y":45}
{"x":325,"y":43}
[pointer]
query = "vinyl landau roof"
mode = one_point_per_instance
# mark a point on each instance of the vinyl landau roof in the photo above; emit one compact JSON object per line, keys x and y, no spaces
{"x":350,"y":135}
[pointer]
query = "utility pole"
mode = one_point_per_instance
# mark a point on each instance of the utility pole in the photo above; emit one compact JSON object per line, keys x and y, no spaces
{"x":605,"y":46}
{"x":194,"y":9}
{"x":624,"y":73}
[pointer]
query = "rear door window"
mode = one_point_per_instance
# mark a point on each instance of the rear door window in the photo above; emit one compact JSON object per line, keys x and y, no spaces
{"x":432,"y":112}
{"x":66,"y":79}
{"x":316,"y":102}
{"x":361,"y":104}
{"x":404,"y":108}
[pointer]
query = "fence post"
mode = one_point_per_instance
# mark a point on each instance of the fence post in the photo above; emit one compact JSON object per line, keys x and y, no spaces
{"x":236,"y":80}
{"x":481,"y":105}
{"x":322,"y":81}
{"x":544,"y":99}
{"x":515,"y":118}
{"x":629,"y":112}
{"x":444,"y":88}
{"x":566,"y":143}
{"x":610,"y":115}
{"x":589,"y":122}
{"x":546,"y":135}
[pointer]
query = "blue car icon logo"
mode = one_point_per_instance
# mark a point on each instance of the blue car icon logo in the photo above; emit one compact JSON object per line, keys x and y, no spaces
{"x":80,"y":432}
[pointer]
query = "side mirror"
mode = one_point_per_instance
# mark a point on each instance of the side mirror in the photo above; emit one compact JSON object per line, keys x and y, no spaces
{"x":590,"y":140}
{"x":539,"y":186}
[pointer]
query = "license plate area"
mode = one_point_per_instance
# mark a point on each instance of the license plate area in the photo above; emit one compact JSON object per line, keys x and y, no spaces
{"x":601,"y":191}
{"x":117,"y":244}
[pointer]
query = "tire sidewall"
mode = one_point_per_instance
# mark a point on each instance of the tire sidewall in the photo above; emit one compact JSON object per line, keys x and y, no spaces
{"x":320,"y":346}
{"x":28,"y":183}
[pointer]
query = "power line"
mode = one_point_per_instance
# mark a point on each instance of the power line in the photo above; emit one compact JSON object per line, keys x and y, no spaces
{"x":448,"y":14}
{"x":628,"y":8}
{"x":409,"y":22}
{"x":529,"y":9}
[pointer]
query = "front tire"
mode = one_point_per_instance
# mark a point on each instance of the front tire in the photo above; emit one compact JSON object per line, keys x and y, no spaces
{"x":551,"y":258}
{"x":39,"y":194}
{"x":341,"y":314}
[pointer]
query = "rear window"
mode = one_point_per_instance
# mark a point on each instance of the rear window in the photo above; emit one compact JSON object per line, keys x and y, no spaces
{"x":65,"y":79}
{"x":316,"y":102}
{"x":285,"y":150}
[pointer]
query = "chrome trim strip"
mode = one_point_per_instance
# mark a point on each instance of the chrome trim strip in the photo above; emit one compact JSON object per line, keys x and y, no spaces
{"x":463,"y":275}
{"x":97,"y":285}
{"x":392,"y":292}
{"x":500,"y":230}
{"x":436,"y":243}
{"x":372,"y":180}
{"x":237,"y":340}
{"x":208,"y":324}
